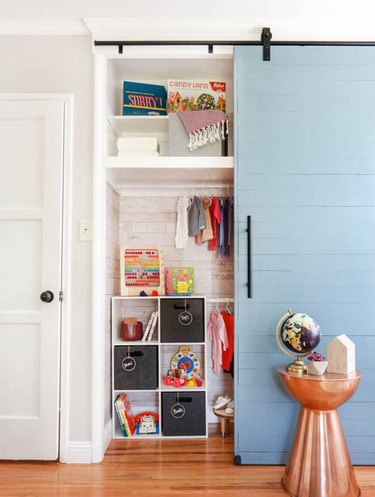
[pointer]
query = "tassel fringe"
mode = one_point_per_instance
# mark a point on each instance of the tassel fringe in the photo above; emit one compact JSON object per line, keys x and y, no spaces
{"x":210,"y":134}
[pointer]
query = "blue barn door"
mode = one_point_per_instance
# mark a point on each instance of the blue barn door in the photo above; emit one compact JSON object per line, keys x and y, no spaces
{"x":305,"y":173}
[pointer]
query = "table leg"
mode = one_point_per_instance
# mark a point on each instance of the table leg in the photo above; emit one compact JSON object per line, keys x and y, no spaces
{"x":319,"y":463}
{"x":222,"y":424}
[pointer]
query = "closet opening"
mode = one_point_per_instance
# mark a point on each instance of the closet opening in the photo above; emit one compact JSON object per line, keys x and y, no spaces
{"x":169,"y":243}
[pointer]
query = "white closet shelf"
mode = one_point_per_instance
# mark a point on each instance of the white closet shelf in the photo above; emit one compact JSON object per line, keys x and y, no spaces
{"x":139,"y":171}
{"x":182,"y":389}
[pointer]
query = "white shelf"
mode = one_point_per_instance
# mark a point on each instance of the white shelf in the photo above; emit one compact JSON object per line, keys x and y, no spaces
{"x":118,"y":297}
{"x":157,"y":342}
{"x":168,"y":162}
{"x":137,"y":437}
{"x":135,"y":390}
{"x":182,"y":343}
{"x":164,"y":388}
{"x":135,"y":343}
{"x":155,"y":172}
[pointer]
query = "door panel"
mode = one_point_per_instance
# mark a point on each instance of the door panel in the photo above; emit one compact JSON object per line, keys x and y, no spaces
{"x":31,"y":147}
{"x":17,"y":131}
{"x":20,"y":293}
{"x":25,"y":339}
{"x":305,"y":169}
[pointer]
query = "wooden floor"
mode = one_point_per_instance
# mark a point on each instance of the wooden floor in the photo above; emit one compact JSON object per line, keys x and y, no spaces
{"x":162,"y":468}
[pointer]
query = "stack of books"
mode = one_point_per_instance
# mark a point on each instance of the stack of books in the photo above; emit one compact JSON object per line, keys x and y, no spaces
{"x":133,"y":146}
{"x":151,"y":326}
{"x":125,"y":415}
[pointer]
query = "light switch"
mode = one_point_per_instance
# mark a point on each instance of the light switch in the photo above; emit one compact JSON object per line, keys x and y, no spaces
{"x":85,"y":231}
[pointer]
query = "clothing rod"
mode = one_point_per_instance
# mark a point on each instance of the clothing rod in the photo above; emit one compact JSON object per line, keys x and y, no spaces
{"x":183,"y":186}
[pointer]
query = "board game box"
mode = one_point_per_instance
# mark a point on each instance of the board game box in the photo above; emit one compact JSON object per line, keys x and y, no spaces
{"x":143,"y":99}
{"x":194,"y":94}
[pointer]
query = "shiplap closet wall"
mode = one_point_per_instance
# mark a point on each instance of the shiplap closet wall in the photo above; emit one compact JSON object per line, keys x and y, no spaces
{"x":151,"y":220}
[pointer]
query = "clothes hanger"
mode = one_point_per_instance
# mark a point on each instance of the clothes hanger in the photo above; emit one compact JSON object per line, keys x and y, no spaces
{"x":227,"y":308}
{"x":217,"y":307}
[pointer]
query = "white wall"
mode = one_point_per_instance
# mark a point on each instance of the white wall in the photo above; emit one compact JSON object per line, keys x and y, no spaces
{"x":62,"y":64}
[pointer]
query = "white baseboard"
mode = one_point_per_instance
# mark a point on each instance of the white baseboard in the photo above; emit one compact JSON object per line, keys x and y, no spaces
{"x":98,"y":453}
{"x":78,"y":453}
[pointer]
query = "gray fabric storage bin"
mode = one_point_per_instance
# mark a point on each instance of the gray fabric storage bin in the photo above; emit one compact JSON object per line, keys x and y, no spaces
{"x":143,"y":375}
{"x":182,"y":320}
{"x":179,"y":139}
{"x":192,"y":422}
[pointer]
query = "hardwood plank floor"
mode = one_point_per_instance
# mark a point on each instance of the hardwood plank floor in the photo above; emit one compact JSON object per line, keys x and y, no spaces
{"x":151,"y":468}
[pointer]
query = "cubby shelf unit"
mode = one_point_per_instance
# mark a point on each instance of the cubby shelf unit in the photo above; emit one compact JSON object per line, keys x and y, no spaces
{"x":152,"y":398}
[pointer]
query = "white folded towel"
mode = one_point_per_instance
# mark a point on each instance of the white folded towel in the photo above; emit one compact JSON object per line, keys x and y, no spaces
{"x":137,"y":143}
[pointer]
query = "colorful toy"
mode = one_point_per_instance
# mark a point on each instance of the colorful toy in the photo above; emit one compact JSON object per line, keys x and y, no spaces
{"x":185,"y":370}
{"x":147,"y":423}
{"x":142,"y":271}
{"x":187,"y":360}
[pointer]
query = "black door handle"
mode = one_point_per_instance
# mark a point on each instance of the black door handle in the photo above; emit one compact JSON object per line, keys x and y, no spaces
{"x":249,"y":268}
{"x":47,"y":296}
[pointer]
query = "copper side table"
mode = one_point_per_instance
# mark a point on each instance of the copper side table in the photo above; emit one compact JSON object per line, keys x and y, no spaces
{"x":319,"y":463}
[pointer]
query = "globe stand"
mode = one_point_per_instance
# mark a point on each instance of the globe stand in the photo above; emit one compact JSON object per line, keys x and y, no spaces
{"x":297,"y":367}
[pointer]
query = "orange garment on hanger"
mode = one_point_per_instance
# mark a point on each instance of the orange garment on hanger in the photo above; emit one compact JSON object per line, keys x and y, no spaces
{"x":227,"y":355}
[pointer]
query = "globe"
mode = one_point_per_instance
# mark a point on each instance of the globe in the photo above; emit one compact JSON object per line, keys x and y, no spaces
{"x":300,"y":333}
{"x":297,"y":335}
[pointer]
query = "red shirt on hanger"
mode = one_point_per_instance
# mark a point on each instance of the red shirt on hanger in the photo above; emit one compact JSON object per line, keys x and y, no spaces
{"x":227,"y":355}
{"x":215,"y":218}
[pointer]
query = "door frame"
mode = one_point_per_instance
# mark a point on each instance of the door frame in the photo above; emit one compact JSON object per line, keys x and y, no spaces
{"x":65,"y":250}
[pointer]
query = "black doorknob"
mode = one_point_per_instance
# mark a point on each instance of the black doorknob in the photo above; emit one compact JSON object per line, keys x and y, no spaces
{"x":47,"y":296}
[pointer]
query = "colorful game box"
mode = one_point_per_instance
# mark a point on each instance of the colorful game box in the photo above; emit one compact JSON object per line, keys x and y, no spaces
{"x":179,"y":280}
{"x":144,"y":100}
{"x":194,"y":94}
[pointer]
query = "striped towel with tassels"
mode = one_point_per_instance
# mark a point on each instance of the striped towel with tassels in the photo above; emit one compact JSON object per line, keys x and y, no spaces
{"x":204,"y":126}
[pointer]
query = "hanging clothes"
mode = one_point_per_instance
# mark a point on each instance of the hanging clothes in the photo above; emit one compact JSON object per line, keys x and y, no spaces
{"x":221,"y":231}
{"x":230,"y":223}
{"x":182,"y":237}
{"x":207,"y":233}
{"x":228,"y":352}
{"x":217,"y":333}
{"x":215,"y":220}
{"x":227,"y":225}
{"x":196,"y":217}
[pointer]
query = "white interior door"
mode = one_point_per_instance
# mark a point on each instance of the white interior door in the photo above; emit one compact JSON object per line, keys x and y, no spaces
{"x":31,"y":164}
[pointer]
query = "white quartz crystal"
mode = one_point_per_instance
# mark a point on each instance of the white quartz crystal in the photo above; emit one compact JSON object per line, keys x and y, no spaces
{"x":341,"y":355}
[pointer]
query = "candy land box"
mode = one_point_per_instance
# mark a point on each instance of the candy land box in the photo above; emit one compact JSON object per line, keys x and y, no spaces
{"x":179,"y":280}
{"x":143,"y":99}
{"x":194,"y":94}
